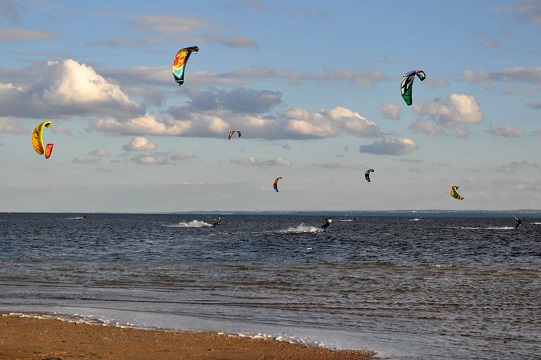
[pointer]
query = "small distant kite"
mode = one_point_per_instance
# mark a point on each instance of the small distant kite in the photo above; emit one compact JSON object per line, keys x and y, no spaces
{"x":275,"y":185}
{"x":180,"y":61}
{"x":407,"y":84}
{"x":367,"y":174}
{"x":37,"y":140}
{"x":454,"y":194}
{"x":232,"y":133}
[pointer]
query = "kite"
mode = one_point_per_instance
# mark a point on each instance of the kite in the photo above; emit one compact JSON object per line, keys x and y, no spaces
{"x":407,"y":84}
{"x":179,"y":64}
{"x":454,"y":194}
{"x":37,"y":140}
{"x":367,"y":174}
{"x":233,"y":132}
{"x":275,"y":185}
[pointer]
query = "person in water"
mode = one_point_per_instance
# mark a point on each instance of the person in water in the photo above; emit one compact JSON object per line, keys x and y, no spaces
{"x":328,"y":221}
{"x":519,"y":222}
{"x":217,"y":222}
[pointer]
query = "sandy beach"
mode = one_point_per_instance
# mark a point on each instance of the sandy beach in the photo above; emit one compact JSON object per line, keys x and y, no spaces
{"x":44,"y":339}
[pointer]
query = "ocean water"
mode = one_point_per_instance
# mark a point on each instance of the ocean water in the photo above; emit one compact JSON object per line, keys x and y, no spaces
{"x":441,"y":287}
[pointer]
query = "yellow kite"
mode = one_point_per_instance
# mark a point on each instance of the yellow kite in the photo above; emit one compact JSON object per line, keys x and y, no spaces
{"x":37,"y":140}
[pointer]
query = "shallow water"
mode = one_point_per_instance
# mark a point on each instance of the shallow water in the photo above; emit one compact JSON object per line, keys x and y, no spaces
{"x":405,"y":287}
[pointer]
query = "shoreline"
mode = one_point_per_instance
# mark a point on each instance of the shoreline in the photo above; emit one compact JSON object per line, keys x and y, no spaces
{"x":25,"y":337}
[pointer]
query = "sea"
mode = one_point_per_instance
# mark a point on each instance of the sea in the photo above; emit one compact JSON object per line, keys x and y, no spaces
{"x":405,"y":286}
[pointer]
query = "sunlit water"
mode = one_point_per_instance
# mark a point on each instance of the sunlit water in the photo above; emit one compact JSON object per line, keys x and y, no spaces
{"x":405,"y":287}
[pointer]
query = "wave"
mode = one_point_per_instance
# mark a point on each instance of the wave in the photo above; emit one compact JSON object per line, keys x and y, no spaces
{"x":300,"y":229}
{"x":484,"y":228}
{"x":191,"y":224}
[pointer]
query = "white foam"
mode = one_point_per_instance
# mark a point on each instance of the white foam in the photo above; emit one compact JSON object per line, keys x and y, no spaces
{"x":300,"y":229}
{"x":191,"y":224}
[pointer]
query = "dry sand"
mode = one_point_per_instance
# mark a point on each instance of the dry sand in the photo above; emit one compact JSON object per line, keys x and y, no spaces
{"x":41,"y":339}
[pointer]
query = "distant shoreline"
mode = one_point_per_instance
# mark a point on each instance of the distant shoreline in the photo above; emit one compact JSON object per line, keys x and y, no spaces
{"x":527,"y":213}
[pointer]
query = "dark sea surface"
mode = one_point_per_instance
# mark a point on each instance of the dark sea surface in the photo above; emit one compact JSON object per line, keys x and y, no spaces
{"x":441,"y":287}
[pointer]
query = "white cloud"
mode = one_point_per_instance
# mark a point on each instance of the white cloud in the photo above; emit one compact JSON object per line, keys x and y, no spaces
{"x":161,"y":158}
{"x":453,"y":113}
{"x":516,"y":74}
{"x":335,"y":166}
{"x":328,"y":123}
{"x":239,"y":100}
{"x":175,"y":25}
{"x":515,"y":166}
{"x":295,"y":123}
{"x":18,"y":35}
{"x":209,"y":126}
{"x":152,"y":160}
{"x":426,"y":127}
{"x":489,"y":44}
{"x":252,"y":161}
{"x":391,"y":111}
{"x":436,"y":83}
{"x":140,"y":144}
{"x":11,"y":125}
{"x":73,"y":83}
{"x":508,"y":131}
{"x":101,"y":152}
{"x":66,"y":88}
{"x":57,"y":129}
{"x":366,"y":78}
{"x":235,"y":42}
{"x":144,"y":125}
{"x":81,"y":159}
{"x":390,"y":146}
{"x":181,"y":157}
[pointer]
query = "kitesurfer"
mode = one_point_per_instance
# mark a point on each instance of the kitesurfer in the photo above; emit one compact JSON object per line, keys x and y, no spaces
{"x":217,"y":222}
{"x":328,"y":221}
{"x":519,"y":222}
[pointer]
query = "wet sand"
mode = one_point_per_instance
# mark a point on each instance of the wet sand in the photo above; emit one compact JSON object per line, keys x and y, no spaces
{"x":44,"y":339}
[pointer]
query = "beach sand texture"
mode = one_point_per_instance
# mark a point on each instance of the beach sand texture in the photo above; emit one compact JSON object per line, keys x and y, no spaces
{"x":43,"y":339}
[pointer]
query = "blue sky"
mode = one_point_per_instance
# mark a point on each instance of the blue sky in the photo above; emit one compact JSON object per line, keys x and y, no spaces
{"x":313,"y":87}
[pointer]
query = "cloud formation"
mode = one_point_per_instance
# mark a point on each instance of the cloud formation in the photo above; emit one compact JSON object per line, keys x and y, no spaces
{"x":391,"y":111}
{"x":390,"y":146}
{"x":161,"y":158}
{"x":66,"y":88}
{"x":101,"y":152}
{"x":508,"y":131}
{"x":12,"y":126}
{"x":161,"y":29}
{"x":328,"y":123}
{"x":150,"y":124}
{"x":515,"y":166}
{"x":516,"y":74}
{"x":215,"y":114}
{"x":427,"y":127}
{"x":252,"y":161}
{"x":452,"y":114}
{"x":140,"y":143}
{"x":239,"y":100}
{"x":18,"y":35}
{"x":529,"y":10}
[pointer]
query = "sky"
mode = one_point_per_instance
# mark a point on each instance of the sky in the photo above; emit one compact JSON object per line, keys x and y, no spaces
{"x":314,"y":88}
